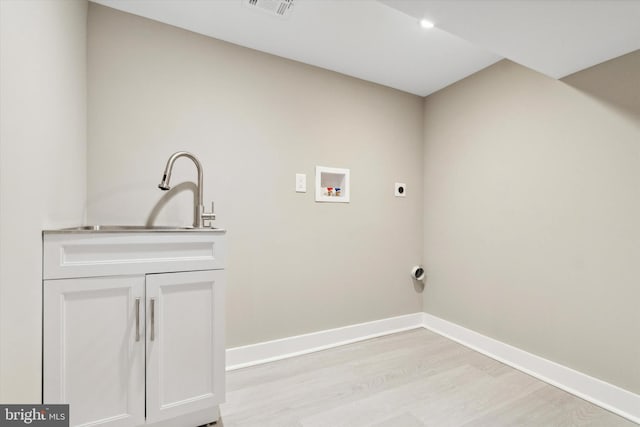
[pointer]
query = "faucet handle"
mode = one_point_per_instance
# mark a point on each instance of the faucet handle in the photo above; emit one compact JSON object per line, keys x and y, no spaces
{"x":208,"y":216}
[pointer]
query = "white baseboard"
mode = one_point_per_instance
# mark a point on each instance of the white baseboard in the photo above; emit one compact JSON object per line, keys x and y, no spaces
{"x":269,"y":351}
{"x":598,"y":392}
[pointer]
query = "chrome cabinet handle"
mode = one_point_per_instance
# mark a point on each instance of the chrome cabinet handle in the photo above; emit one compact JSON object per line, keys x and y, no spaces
{"x":153,"y":319}
{"x":137,"y":319}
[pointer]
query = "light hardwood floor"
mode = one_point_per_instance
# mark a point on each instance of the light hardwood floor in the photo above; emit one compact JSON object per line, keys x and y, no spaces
{"x":409,"y":379}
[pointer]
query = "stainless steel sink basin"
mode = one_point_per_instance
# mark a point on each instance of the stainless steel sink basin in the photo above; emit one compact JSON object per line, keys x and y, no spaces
{"x":126,"y":228}
{"x":131,"y":229}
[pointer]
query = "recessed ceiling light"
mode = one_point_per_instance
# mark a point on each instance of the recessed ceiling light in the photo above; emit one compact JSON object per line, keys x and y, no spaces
{"x":426,"y":24}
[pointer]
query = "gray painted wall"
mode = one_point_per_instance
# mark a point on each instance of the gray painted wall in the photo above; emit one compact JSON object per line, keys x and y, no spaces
{"x":615,"y":83}
{"x":42,"y":168}
{"x":532,"y":207}
{"x":255,"y":120}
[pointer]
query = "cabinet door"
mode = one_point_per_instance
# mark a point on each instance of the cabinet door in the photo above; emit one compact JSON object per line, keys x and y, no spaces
{"x":93,"y":356}
{"x":185,"y":343}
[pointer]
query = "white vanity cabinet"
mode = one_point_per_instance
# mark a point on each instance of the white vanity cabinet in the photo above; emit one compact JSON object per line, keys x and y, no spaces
{"x":92,"y":359}
{"x":134,"y":326}
{"x":184,"y":373}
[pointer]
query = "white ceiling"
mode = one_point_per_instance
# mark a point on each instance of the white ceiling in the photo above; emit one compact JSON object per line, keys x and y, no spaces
{"x":381,"y":41}
{"x":554,"y":37}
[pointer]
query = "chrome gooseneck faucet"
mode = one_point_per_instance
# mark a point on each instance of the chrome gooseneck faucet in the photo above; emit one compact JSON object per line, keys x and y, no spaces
{"x":201,"y":216}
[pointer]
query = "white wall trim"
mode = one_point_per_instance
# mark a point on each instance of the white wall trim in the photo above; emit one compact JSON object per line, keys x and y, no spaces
{"x":598,"y":392}
{"x":269,"y":351}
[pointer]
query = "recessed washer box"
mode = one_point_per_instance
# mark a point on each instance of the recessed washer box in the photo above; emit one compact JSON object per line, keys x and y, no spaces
{"x":328,"y":179}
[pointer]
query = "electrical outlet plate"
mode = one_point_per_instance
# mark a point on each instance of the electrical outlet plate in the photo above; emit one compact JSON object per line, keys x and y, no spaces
{"x":401,"y":189}
{"x":301,"y":183}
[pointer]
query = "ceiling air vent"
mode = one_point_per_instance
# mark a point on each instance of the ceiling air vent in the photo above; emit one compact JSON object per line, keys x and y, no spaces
{"x":280,"y":8}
